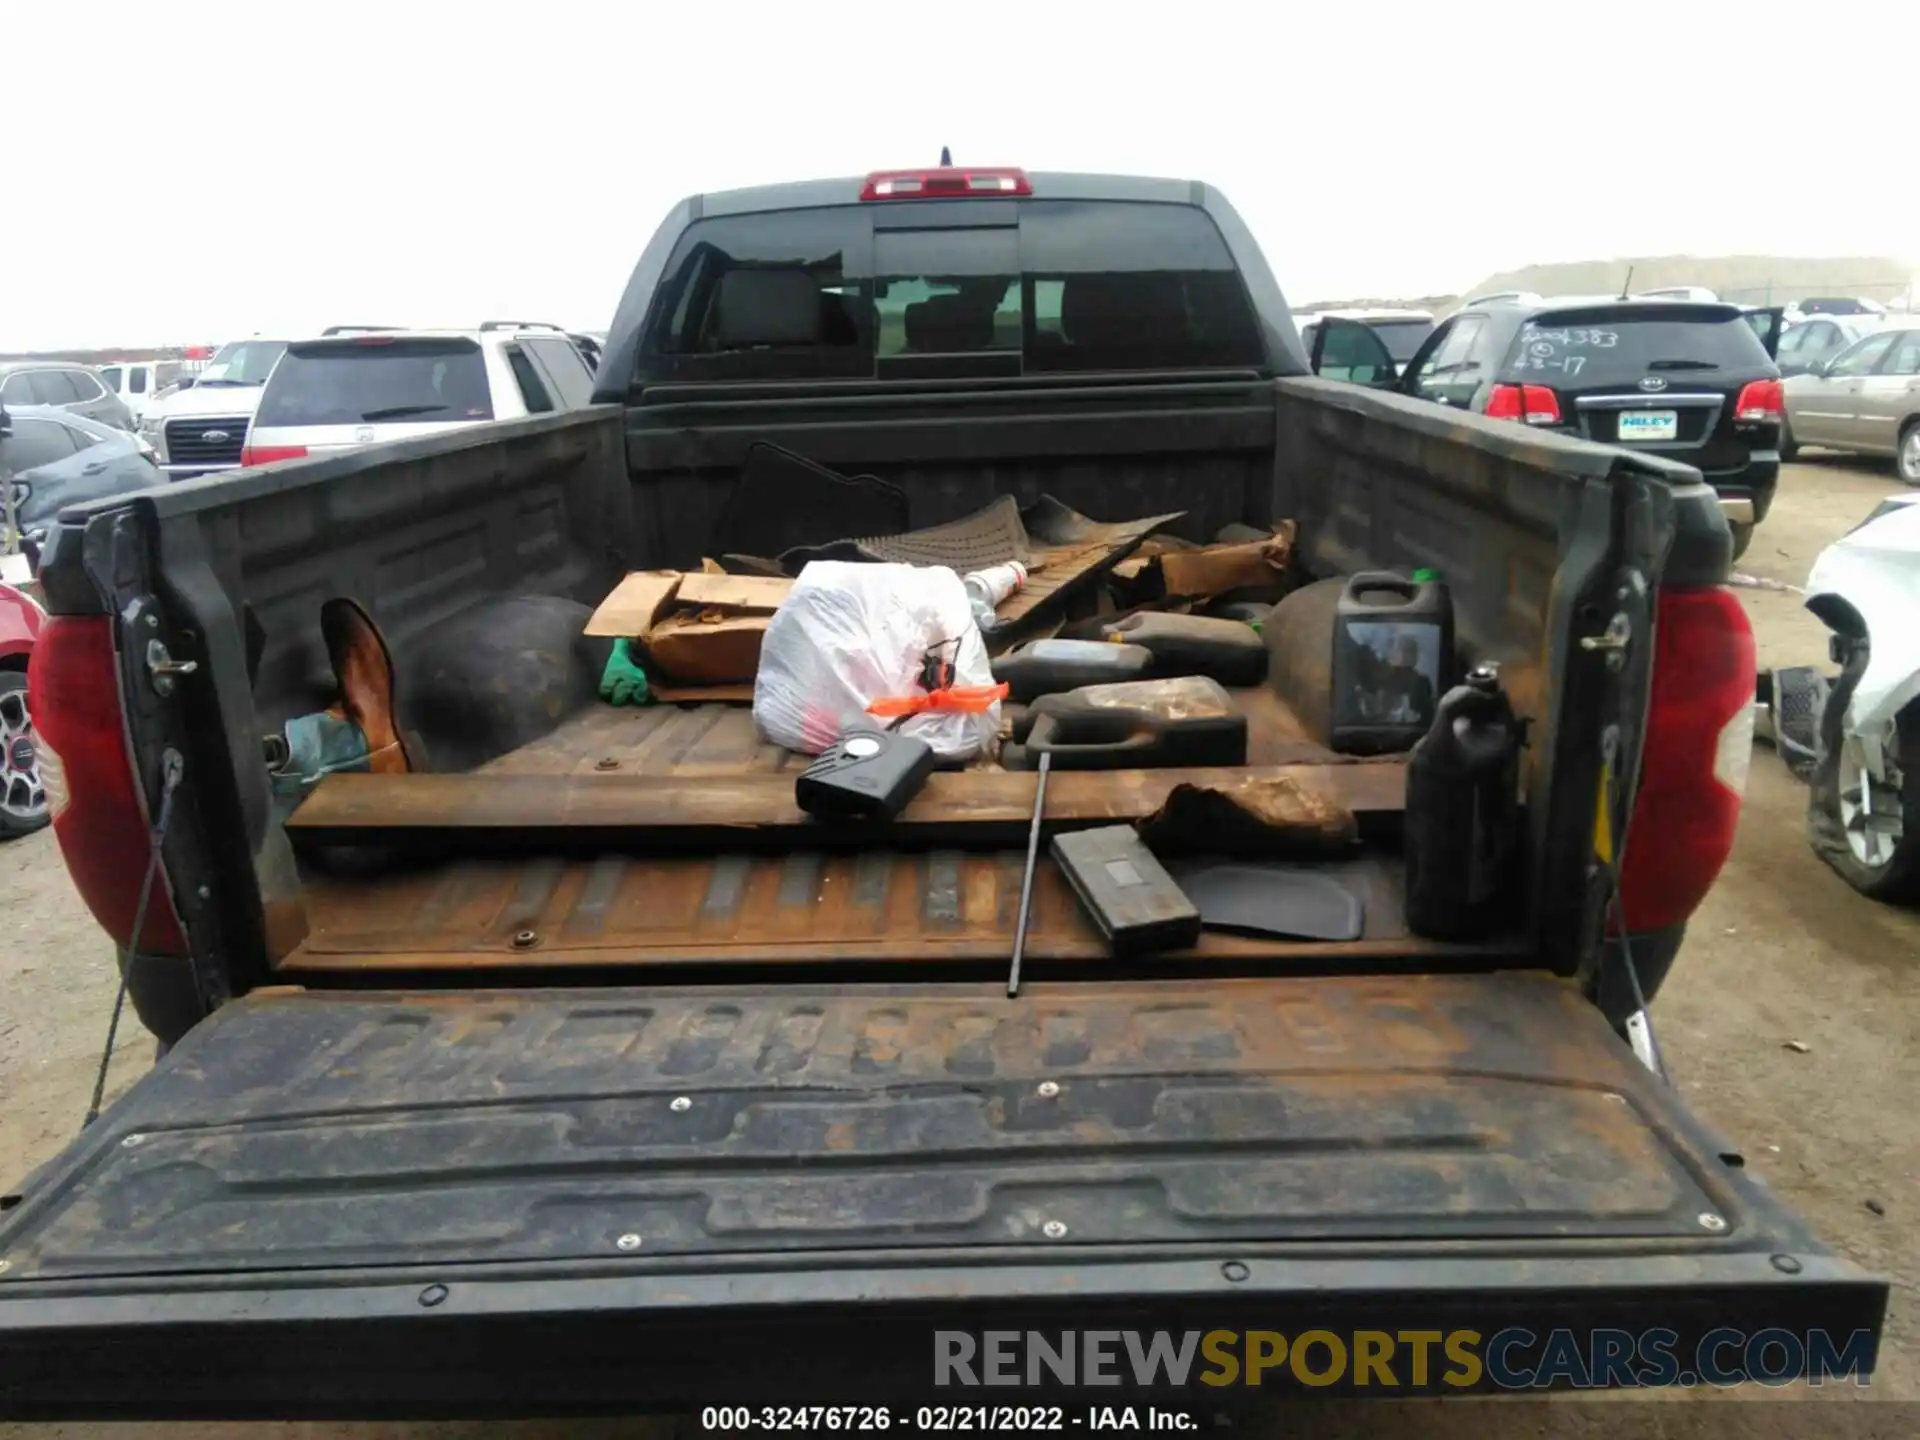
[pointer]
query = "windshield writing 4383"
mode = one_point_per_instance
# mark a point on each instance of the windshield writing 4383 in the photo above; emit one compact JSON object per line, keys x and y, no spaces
{"x":1579,"y":339}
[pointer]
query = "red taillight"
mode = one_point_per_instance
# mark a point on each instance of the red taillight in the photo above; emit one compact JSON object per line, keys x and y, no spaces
{"x":946,"y":184}
{"x":1759,"y":400}
{"x":267,"y":454}
{"x":1693,"y":769}
{"x":1535,"y":404}
{"x":99,"y":817}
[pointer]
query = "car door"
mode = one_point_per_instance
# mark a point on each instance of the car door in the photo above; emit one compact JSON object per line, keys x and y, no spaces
{"x":1446,"y":370}
{"x":1848,"y":372}
{"x":1827,"y":341}
{"x":1822,"y":405}
{"x":1768,"y":324}
{"x":39,"y":463}
{"x":1889,"y":394}
{"x":1350,"y":351}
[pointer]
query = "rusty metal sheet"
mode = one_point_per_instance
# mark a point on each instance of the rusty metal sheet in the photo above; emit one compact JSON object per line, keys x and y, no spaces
{"x":388,"y":1129}
{"x":876,"y":905}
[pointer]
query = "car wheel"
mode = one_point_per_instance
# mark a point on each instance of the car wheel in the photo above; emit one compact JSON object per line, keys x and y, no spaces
{"x":1907,"y":457}
{"x":1789,"y":447}
{"x":23,"y":798}
{"x":1864,"y":810}
{"x":1742,"y":537}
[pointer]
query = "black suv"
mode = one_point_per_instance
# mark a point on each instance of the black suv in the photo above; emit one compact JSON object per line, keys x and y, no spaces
{"x":1694,"y":382}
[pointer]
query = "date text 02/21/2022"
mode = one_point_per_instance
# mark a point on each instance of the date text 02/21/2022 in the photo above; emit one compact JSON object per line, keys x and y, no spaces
{"x":944,"y":1419}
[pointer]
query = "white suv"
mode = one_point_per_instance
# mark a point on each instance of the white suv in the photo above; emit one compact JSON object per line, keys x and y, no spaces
{"x":359,"y":386}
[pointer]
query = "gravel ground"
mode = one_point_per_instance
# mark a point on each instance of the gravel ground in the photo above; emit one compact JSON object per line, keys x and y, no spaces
{"x":1782,"y":952}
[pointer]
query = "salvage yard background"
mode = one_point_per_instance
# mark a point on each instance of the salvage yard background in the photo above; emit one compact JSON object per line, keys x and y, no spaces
{"x":1790,"y":1023}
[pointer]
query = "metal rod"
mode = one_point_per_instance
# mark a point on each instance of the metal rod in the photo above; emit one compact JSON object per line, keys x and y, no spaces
{"x":1026,"y":880}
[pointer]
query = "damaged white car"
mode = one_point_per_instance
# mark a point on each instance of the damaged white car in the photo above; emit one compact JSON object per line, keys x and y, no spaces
{"x":1859,"y":733}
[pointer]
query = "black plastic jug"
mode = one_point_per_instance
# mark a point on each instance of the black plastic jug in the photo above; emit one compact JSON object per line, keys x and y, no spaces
{"x":1223,"y":650}
{"x":1392,"y":659}
{"x":1463,"y":812}
{"x":1185,"y":721}
{"x":1048,"y":667}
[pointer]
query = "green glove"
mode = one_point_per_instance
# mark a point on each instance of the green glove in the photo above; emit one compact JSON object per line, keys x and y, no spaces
{"x":623,"y":682}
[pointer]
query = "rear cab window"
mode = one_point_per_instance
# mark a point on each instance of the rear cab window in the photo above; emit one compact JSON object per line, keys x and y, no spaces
{"x":1603,"y":345}
{"x":374,"y":379}
{"x":960,"y":288}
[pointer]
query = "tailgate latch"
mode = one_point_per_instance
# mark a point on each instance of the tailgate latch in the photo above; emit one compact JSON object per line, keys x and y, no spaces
{"x":163,"y":667}
{"x":1614,"y":640}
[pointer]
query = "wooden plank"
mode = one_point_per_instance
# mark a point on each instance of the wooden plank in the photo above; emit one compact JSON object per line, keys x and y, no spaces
{"x":976,"y":808}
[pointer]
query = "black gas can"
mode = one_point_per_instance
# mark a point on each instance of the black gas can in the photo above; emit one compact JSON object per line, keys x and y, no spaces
{"x":1049,"y":667}
{"x":1392,"y":658}
{"x":1226,"y":651}
{"x":1463,"y":812}
{"x":1189,"y":720}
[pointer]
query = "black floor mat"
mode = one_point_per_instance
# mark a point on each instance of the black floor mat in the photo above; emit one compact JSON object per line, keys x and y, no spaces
{"x":782,"y":498}
{"x":1271,"y":899}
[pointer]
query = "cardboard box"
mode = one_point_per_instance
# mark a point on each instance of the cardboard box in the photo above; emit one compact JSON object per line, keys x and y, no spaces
{"x":633,"y":605}
{"x":695,"y":630}
{"x":1224,"y":569}
{"x":706,"y":648}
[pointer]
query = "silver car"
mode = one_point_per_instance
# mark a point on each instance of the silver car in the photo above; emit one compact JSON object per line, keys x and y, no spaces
{"x":51,"y":458}
{"x":63,"y":384}
{"x":1866,"y":399}
{"x":1808,"y":341}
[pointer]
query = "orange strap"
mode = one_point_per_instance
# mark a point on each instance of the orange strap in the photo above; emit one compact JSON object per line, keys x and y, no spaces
{"x":963,"y":699}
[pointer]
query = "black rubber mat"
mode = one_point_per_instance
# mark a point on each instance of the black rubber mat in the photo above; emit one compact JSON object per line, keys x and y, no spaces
{"x":1271,"y":900}
{"x":782,"y":497}
{"x":991,"y":536}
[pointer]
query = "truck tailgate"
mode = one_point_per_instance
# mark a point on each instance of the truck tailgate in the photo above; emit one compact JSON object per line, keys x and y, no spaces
{"x":441,"y":1202}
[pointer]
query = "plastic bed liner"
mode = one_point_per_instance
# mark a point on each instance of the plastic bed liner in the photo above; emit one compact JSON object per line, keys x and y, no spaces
{"x":313,"y":1165}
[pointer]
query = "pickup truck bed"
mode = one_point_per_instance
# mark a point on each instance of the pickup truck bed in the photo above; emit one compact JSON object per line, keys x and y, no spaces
{"x":801,"y":903}
{"x":746,"y":1118}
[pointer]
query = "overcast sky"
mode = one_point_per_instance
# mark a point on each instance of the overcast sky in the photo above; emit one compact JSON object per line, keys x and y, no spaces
{"x":193,"y":170}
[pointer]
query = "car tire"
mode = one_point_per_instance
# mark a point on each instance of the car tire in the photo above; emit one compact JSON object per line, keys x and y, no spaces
{"x":1789,"y":447}
{"x":1742,"y":537}
{"x":1906,"y":454}
{"x":23,"y":797}
{"x":1880,"y":859}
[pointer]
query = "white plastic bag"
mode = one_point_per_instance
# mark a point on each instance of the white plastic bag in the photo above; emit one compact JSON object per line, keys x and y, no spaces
{"x":850,"y":634}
